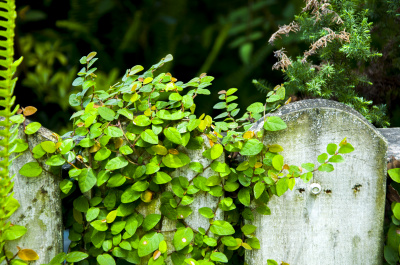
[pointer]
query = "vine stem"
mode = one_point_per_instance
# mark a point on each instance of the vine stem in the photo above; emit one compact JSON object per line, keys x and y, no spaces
{"x":130,"y":144}
{"x":216,"y":208}
{"x":190,"y":181}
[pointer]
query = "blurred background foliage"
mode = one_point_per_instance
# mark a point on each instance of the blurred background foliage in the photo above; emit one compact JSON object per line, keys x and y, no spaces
{"x":227,"y":39}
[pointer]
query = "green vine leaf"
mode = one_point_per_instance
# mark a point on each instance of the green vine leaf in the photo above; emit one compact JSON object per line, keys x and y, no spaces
{"x":55,"y":160}
{"x":182,"y":238}
{"x":33,"y":127}
{"x":76,"y":256}
{"x":252,"y":147}
{"x":86,"y":180}
{"x":222,"y":228}
{"x":149,"y":136}
{"x":176,"y":161}
{"x":394,"y":173}
{"x":149,"y":243}
{"x":173,"y":135}
{"x":116,"y":163}
{"x":219,"y":257}
{"x":31,"y":169}
{"x":105,"y":259}
{"x":14,"y":232}
{"x":106,"y":113}
{"x":274,"y":123}
{"x":48,"y":146}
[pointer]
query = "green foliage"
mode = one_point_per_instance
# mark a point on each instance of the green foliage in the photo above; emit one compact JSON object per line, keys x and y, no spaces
{"x":8,"y":143}
{"x":339,"y":36}
{"x":229,"y":39}
{"x":126,"y":144}
{"x":392,"y":244}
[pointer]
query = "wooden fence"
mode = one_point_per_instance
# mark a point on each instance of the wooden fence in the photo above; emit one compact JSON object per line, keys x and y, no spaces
{"x":339,"y":221}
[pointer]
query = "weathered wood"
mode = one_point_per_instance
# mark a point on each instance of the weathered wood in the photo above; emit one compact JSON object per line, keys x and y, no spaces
{"x":392,"y":136}
{"x":201,"y":199}
{"x":344,"y":223}
{"x":40,"y":210}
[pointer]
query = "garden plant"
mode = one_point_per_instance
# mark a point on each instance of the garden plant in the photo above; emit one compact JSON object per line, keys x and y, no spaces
{"x":129,"y":156}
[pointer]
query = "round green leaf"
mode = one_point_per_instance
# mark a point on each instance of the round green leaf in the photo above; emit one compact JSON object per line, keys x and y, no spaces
{"x":76,"y":256}
{"x":277,"y":162}
{"x":331,"y":149}
{"x":113,"y":132}
{"x":161,"y":178}
{"x":322,"y":158}
{"x":116,"y":163}
{"x":105,"y":259}
{"x":274,"y":123}
{"x":99,"y":225}
{"x":106,"y":113}
{"x":86,"y":179}
{"x":173,"y":135}
{"x":48,"y":146}
{"x":14,"y":232}
{"x":326,"y":168}
{"x":126,"y":150}
{"x":33,"y":127}
{"x":142,"y":120}
{"x":151,"y":221}
{"x":244,"y":196}
{"x":102,"y":154}
{"x":182,"y":238}
{"x":149,"y":243}
{"x":346,"y":148}
{"x":394,"y":173}
{"x":55,"y":160}
{"x":256,"y":107}
{"x":149,"y":136}
{"x":216,"y":151}
{"x":66,"y":146}
{"x":222,"y":228}
{"x":92,"y":213}
{"x":251,"y":147}
{"x":176,"y":161}
{"x":248,"y":229}
{"x":282,"y":186}
{"x":81,"y":204}
{"x":206,"y":212}
{"x":66,"y":185}
{"x":152,"y":168}
{"x":258,"y":189}
{"x":218,"y":256}
{"x":196,"y":166}
{"x":31,"y":169}
{"x":336,"y":159}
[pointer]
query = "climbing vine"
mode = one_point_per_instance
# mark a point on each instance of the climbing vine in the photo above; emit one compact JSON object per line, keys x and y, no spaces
{"x":140,"y":160}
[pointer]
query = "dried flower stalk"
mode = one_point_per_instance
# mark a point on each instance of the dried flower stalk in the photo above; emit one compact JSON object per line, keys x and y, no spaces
{"x":323,"y":41}
{"x":285,"y":29}
{"x":283,"y":62}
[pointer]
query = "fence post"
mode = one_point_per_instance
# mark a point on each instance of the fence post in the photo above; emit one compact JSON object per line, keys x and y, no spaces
{"x":201,"y":199}
{"x":40,"y":210}
{"x":344,"y":223}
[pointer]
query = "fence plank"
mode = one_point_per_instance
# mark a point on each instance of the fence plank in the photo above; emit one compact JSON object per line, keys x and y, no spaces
{"x":40,"y":210}
{"x":344,"y":223}
{"x":392,"y":135}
